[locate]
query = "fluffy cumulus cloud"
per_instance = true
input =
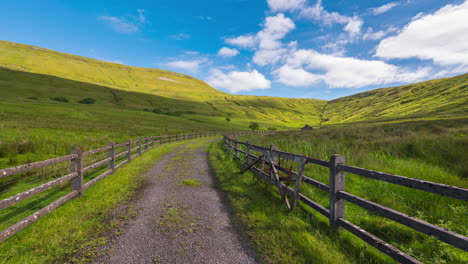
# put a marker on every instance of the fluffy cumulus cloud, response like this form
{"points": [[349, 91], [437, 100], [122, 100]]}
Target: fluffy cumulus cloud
{"points": [[441, 37], [245, 41], [295, 76], [384, 8], [342, 72], [236, 81], [227, 52], [267, 42], [284, 5]]}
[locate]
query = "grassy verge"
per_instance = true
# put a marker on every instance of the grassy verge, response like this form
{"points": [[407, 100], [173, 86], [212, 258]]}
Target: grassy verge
{"points": [[429, 150], [78, 226], [280, 236]]}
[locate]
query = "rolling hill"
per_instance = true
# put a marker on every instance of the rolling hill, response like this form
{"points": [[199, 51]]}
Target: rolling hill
{"points": [[132, 101], [441, 98]]}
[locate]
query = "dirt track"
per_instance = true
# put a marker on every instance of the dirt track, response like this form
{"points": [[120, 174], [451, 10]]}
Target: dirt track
{"points": [[180, 221]]}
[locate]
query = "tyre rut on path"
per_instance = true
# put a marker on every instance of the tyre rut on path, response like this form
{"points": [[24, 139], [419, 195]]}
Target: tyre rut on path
{"points": [[183, 218]]}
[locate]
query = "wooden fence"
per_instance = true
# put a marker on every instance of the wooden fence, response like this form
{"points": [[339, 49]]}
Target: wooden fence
{"points": [[338, 195], [77, 170]]}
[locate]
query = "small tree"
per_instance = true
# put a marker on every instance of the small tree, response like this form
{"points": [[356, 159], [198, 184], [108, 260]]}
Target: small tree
{"points": [[254, 126], [228, 119]]}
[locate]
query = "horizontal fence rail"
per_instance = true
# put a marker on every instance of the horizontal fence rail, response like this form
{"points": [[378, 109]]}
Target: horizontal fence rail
{"points": [[265, 166], [76, 176]]}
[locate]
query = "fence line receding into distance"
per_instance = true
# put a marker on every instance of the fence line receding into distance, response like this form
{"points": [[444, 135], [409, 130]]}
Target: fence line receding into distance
{"points": [[268, 157], [80, 164]]}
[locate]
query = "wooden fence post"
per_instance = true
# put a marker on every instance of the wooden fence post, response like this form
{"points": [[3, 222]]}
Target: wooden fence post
{"points": [[236, 145], [337, 183], [111, 155], [160, 140], [152, 141], [176, 138], [129, 150], [77, 166], [297, 188], [169, 138], [274, 159], [146, 143], [139, 146]]}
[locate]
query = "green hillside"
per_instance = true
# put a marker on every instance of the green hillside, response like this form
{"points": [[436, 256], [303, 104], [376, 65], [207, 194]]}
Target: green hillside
{"points": [[132, 102], [441, 98]]}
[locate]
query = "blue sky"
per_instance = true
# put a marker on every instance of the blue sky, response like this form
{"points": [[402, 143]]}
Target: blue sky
{"points": [[291, 48]]}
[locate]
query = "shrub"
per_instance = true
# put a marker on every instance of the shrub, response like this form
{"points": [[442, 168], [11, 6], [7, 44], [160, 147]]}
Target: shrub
{"points": [[272, 128], [60, 99], [228, 119], [254, 126], [32, 98], [87, 101]]}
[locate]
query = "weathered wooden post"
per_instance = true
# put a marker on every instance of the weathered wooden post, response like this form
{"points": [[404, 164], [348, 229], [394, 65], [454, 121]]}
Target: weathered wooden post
{"points": [[337, 183], [176, 137], [111, 155], [183, 136], [297, 188], [236, 146], [146, 143], [152, 141], [139, 146], [129, 150], [77, 166], [160, 140], [169, 138], [274, 158]]}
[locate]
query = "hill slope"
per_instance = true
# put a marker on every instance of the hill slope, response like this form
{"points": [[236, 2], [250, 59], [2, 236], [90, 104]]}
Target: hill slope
{"points": [[441, 98], [177, 94]]}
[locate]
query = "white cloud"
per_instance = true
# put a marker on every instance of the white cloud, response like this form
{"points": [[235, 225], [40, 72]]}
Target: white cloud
{"points": [[267, 42], [318, 13], [376, 35], [227, 52], [205, 18], [141, 16], [120, 24], [245, 41], [275, 28], [284, 5], [385, 8], [188, 65], [344, 72], [291, 76], [264, 57], [441, 37], [180, 36], [128, 24], [354, 26], [236, 81]]}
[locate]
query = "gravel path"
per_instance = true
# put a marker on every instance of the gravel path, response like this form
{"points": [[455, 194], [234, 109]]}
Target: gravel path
{"points": [[183, 217]]}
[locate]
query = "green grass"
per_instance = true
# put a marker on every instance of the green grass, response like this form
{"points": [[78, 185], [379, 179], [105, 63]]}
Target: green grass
{"points": [[428, 150], [80, 224], [191, 182], [280, 236]]}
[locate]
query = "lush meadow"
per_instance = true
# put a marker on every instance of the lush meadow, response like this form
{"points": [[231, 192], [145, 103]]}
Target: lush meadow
{"points": [[429, 150]]}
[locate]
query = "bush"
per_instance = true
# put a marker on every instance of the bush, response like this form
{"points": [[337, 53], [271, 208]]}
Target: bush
{"points": [[87, 101], [254, 126], [272, 128], [60, 99], [32, 98], [228, 119]]}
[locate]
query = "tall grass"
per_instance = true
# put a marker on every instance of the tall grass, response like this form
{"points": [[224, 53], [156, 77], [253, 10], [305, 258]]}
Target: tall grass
{"points": [[428, 150]]}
